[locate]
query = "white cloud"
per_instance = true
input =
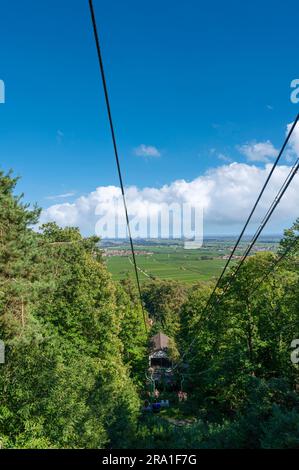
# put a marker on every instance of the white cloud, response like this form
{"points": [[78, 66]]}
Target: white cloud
{"points": [[147, 151], [60, 196], [294, 140], [258, 151], [227, 194], [224, 158]]}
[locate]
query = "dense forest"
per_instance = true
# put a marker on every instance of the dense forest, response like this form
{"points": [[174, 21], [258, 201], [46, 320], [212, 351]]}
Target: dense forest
{"points": [[77, 350]]}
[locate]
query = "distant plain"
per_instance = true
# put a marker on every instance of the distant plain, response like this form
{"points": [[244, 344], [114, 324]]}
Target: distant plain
{"points": [[170, 261]]}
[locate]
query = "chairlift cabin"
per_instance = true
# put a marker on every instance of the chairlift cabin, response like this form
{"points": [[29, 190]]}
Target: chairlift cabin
{"points": [[158, 356]]}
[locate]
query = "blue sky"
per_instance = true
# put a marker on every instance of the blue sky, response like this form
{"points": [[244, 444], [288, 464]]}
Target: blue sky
{"points": [[196, 80]]}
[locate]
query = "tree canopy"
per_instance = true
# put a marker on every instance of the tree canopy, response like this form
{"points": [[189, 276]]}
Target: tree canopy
{"points": [[76, 346]]}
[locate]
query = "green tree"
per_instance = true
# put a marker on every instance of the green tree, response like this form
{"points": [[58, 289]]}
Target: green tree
{"points": [[64, 383], [163, 301]]}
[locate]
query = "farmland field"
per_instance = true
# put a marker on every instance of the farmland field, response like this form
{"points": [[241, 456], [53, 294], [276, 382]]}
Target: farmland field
{"points": [[173, 262]]}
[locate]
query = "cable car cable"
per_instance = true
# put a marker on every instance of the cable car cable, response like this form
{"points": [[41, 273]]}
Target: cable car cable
{"points": [[255, 205], [266, 275], [104, 82], [266, 218]]}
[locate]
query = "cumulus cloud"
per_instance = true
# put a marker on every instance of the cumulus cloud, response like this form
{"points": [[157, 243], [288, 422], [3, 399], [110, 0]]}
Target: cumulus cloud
{"points": [[147, 151], [294, 140], [226, 193], [258, 151]]}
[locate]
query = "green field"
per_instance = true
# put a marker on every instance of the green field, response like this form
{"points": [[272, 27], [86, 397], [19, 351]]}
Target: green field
{"points": [[173, 262]]}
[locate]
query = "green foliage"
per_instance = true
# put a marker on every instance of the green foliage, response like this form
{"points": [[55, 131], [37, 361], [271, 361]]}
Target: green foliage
{"points": [[240, 347], [67, 380], [76, 346], [163, 300], [268, 418], [133, 333], [282, 430]]}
